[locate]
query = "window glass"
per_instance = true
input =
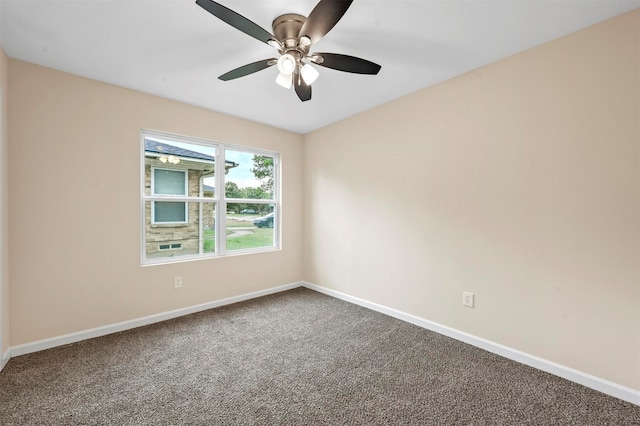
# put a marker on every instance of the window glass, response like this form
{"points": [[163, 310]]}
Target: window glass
{"points": [[169, 182], [252, 227], [169, 211], [191, 238], [251, 178]]}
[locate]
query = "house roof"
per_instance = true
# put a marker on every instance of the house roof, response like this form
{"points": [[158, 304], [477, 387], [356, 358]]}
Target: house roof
{"points": [[161, 148]]}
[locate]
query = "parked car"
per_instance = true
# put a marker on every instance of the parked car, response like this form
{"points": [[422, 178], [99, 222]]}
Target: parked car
{"points": [[264, 222], [248, 211]]}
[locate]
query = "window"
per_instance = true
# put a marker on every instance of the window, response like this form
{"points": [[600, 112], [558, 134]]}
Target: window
{"points": [[186, 214], [169, 182]]}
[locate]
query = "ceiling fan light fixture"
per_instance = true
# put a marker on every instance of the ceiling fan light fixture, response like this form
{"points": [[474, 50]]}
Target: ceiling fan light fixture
{"points": [[287, 64], [309, 74], [285, 80], [304, 42], [293, 36], [275, 44]]}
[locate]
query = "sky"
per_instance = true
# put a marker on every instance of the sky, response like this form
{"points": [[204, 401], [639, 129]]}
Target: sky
{"points": [[241, 175]]}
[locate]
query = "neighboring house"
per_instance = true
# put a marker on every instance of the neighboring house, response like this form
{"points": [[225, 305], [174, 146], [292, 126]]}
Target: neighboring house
{"points": [[177, 225]]}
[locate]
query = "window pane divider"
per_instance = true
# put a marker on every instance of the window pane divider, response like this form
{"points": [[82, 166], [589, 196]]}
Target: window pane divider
{"points": [[181, 198], [249, 201], [221, 211]]}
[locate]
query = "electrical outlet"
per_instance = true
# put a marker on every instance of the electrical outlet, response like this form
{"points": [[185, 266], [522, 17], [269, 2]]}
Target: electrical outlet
{"points": [[177, 282], [467, 299]]}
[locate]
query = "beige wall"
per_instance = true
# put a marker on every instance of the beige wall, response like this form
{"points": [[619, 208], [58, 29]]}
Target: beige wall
{"points": [[75, 180], [4, 204], [518, 182]]}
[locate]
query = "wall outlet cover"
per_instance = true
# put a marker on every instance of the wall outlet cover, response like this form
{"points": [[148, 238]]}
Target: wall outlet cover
{"points": [[467, 299]]}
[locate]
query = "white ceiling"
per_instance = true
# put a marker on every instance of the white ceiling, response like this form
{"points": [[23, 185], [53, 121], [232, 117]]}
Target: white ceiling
{"points": [[175, 49]]}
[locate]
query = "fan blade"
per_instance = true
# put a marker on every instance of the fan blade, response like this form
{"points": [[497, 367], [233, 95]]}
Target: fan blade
{"points": [[302, 89], [345, 63], [323, 17], [248, 69], [236, 20]]}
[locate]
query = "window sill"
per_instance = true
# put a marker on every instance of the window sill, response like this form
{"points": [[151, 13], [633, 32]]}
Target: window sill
{"points": [[169, 225], [193, 258]]}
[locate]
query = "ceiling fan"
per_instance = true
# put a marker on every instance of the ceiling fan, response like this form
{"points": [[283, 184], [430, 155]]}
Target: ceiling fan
{"points": [[293, 36]]}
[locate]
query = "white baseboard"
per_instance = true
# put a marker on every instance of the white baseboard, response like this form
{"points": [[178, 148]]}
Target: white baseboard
{"points": [[41, 345], [596, 383], [5, 358]]}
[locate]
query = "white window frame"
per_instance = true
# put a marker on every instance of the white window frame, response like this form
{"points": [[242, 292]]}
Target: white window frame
{"points": [[173, 197], [219, 200]]}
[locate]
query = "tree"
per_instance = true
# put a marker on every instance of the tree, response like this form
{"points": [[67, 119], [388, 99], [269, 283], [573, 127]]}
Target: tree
{"points": [[263, 170], [231, 190]]}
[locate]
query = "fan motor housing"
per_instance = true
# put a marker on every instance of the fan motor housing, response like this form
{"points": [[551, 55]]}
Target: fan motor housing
{"points": [[287, 27]]}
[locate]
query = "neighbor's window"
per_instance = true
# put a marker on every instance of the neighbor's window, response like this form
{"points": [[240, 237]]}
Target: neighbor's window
{"points": [[169, 182], [184, 216]]}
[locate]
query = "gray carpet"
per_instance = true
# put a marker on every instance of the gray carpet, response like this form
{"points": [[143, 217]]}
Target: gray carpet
{"points": [[293, 358]]}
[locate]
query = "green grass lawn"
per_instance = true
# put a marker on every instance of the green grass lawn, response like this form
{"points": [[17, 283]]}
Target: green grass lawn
{"points": [[259, 237], [233, 222], [209, 241]]}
